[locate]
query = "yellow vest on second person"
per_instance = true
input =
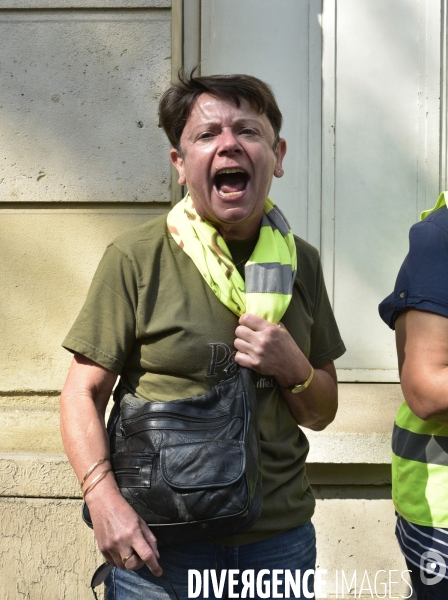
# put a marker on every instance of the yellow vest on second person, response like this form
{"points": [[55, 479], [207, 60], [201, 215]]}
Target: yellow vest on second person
{"points": [[420, 460]]}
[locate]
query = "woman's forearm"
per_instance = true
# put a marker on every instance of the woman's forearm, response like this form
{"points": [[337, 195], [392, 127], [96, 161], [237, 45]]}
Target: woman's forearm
{"points": [[119, 531], [82, 411]]}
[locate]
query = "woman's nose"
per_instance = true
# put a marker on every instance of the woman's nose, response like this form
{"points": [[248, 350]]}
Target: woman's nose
{"points": [[229, 141]]}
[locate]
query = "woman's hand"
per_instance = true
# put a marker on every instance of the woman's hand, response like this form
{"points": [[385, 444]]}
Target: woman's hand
{"points": [[119, 531], [269, 349]]}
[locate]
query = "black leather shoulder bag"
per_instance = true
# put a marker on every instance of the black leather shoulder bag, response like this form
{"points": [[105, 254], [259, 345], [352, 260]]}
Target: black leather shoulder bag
{"points": [[190, 468]]}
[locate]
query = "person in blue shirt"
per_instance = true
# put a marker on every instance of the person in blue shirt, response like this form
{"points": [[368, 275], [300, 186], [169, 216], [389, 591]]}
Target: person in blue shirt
{"points": [[418, 311]]}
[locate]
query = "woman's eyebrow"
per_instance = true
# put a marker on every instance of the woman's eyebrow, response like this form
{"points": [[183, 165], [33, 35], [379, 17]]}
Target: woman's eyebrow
{"points": [[238, 122], [247, 121]]}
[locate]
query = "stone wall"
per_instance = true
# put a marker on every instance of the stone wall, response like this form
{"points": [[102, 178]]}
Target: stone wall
{"points": [[82, 160]]}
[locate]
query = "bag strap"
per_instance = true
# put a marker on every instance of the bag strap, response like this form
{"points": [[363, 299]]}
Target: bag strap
{"points": [[115, 412]]}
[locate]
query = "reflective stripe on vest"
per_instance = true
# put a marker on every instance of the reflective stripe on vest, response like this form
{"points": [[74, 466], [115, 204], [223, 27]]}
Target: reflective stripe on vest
{"points": [[420, 469], [420, 447]]}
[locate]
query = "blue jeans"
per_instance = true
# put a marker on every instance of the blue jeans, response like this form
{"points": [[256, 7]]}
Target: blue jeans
{"points": [[206, 568]]}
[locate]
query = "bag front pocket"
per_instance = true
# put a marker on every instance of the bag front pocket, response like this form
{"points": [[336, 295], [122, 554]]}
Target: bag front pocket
{"points": [[187, 482], [203, 464]]}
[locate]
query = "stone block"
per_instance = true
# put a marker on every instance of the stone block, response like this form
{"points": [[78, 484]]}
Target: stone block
{"points": [[78, 113], [46, 551], [98, 4], [47, 260], [28, 429]]}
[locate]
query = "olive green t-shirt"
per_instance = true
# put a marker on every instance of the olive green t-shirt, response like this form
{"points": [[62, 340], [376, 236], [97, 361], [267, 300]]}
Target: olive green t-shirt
{"points": [[151, 317]]}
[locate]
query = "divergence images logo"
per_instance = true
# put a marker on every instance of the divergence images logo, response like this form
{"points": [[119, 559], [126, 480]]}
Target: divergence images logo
{"points": [[432, 564]]}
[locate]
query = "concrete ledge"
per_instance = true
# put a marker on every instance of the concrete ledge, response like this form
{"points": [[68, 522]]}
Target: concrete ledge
{"points": [[366, 408], [362, 430], [37, 475], [50, 476], [349, 448], [360, 434]]}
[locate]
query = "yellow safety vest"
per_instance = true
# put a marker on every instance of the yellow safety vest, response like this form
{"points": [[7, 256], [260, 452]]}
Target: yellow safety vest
{"points": [[420, 460]]}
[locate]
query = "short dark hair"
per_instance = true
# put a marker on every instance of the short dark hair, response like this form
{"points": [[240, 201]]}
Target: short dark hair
{"points": [[177, 102]]}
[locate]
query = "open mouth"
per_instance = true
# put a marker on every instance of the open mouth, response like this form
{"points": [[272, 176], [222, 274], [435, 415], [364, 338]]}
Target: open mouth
{"points": [[231, 182]]}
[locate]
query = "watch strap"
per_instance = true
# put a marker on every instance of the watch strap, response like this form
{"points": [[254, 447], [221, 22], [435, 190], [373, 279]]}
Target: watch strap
{"points": [[300, 387]]}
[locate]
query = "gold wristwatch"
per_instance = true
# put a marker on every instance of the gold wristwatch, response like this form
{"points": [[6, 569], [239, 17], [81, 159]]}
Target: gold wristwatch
{"points": [[300, 387]]}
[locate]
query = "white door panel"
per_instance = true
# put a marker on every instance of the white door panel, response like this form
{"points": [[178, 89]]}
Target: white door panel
{"points": [[383, 177]]}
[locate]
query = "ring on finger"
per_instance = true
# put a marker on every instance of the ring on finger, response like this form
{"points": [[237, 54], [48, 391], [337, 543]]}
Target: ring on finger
{"points": [[125, 559]]}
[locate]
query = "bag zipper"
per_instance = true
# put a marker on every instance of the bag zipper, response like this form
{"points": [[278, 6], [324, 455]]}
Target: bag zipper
{"points": [[171, 415]]}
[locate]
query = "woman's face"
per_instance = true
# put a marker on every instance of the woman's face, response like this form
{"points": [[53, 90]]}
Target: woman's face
{"points": [[228, 162]]}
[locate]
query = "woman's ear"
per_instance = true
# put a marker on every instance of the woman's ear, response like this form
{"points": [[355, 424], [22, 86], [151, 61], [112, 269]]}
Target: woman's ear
{"points": [[178, 163], [280, 152]]}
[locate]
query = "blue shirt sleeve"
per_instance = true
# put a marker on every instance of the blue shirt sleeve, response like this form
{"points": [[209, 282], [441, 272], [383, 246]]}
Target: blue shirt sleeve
{"points": [[422, 281]]}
